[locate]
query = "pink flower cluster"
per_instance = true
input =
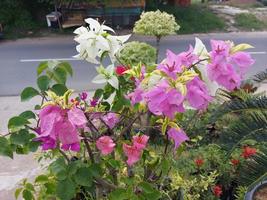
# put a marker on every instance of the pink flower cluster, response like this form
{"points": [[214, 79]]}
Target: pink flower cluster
{"points": [[133, 152], [227, 68], [60, 125], [174, 63]]}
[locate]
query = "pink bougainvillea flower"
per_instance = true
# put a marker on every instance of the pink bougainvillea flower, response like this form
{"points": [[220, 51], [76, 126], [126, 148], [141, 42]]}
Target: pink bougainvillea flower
{"points": [[188, 58], [120, 70], [67, 132], [111, 119], [136, 96], [178, 135], [197, 94], [140, 141], [225, 68], [172, 65], [83, 96], [77, 117], [47, 142], [105, 144], [132, 152], [163, 100], [73, 147], [61, 124], [243, 60]]}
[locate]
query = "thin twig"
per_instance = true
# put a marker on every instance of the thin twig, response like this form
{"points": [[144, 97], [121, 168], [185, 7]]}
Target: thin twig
{"points": [[64, 155], [105, 183], [87, 146], [130, 124]]}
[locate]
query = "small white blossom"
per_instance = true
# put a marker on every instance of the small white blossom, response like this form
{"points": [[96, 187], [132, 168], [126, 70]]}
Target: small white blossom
{"points": [[106, 75], [95, 40]]}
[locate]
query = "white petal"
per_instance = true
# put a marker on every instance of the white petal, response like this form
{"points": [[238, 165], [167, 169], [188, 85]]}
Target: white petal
{"points": [[107, 28], [114, 82], [99, 79], [110, 69], [80, 30], [93, 24], [200, 49]]}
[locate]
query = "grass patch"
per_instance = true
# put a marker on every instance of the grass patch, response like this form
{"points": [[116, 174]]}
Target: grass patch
{"points": [[249, 22], [195, 19]]}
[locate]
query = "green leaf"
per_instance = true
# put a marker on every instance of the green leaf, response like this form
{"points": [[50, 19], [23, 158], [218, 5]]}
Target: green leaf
{"points": [[28, 93], [17, 123], [165, 166], [5, 148], [149, 191], [21, 138], [67, 67], [33, 146], [42, 66], [59, 168], [17, 192], [43, 82], [95, 170], [118, 194], [66, 189], [98, 93], [41, 179], [27, 115], [60, 76], [59, 89], [83, 177], [29, 187], [27, 195]]}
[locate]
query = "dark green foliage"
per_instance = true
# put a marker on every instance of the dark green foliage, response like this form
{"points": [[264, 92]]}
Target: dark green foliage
{"points": [[261, 77], [255, 170]]}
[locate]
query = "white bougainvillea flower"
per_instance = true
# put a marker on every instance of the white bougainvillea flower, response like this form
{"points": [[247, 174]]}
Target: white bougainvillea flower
{"points": [[106, 75], [94, 40], [201, 50]]}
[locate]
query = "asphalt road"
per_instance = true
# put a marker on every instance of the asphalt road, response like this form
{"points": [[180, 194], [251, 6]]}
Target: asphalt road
{"points": [[19, 59]]}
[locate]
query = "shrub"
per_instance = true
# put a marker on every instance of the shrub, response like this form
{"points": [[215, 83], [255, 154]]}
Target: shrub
{"points": [[135, 52]]}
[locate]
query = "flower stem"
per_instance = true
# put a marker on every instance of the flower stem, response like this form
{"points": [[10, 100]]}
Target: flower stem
{"points": [[87, 146]]}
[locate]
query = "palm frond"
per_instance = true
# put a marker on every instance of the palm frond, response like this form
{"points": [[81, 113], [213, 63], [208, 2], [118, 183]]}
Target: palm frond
{"points": [[261, 77], [255, 170], [255, 105], [248, 126]]}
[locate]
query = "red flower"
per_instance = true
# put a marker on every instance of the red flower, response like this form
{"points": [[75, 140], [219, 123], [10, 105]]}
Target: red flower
{"points": [[217, 190], [248, 151], [120, 70], [199, 162], [235, 162]]}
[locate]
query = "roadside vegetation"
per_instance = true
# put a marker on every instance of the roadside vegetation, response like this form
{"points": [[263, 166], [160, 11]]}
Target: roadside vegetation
{"points": [[249, 22], [196, 18]]}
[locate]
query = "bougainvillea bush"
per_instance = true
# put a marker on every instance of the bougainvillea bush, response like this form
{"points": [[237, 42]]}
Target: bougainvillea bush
{"points": [[124, 141]]}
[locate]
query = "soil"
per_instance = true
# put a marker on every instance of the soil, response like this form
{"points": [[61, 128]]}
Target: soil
{"points": [[261, 194]]}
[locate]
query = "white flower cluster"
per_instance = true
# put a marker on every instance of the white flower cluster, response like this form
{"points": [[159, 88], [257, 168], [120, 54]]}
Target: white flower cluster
{"points": [[95, 40], [156, 23]]}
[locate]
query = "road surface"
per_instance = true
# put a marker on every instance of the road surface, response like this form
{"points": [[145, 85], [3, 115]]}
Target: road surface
{"points": [[19, 59]]}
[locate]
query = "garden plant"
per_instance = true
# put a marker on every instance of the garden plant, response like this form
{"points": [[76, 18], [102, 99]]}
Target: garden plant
{"points": [[152, 131]]}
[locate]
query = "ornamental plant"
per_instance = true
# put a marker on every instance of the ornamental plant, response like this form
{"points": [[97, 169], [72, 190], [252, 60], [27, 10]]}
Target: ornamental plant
{"points": [[98, 146]]}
